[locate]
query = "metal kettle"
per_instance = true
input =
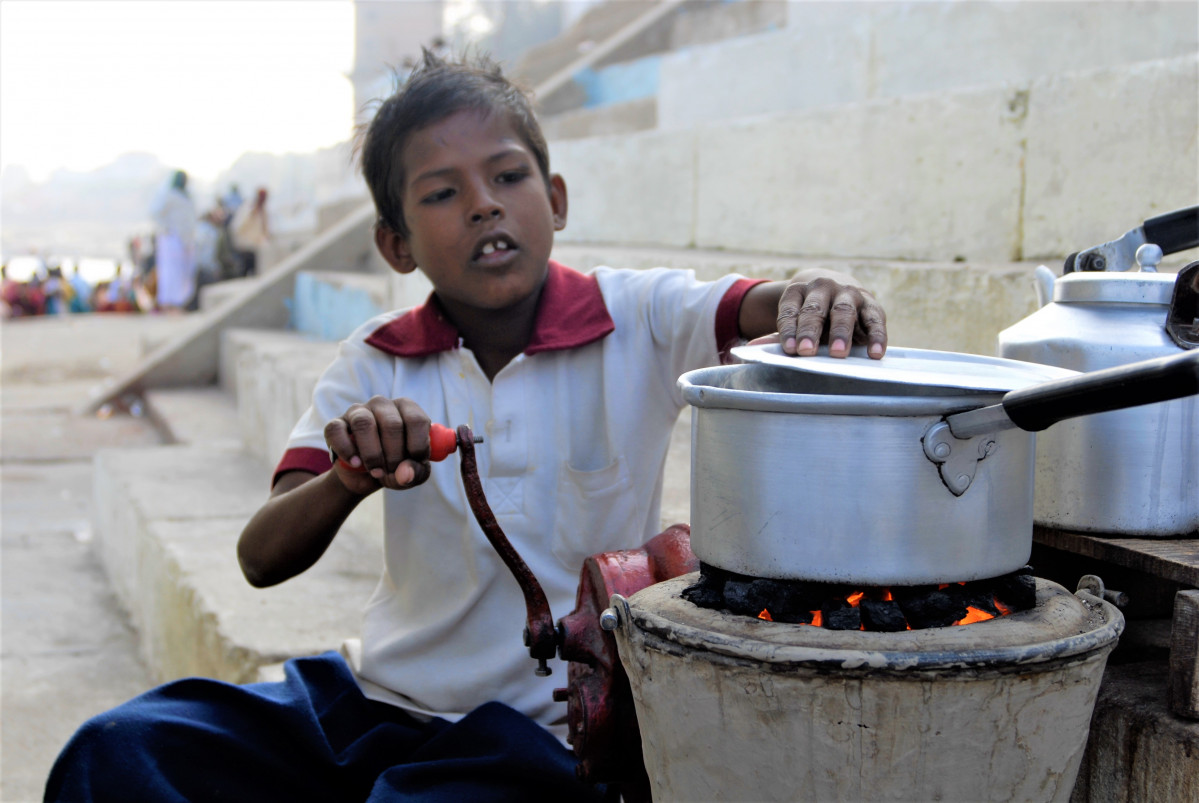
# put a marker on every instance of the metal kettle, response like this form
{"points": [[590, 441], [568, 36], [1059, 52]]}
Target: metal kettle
{"points": [[1129, 472]]}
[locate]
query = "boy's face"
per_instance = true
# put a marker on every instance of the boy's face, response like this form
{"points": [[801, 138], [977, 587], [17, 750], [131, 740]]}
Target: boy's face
{"points": [[480, 218]]}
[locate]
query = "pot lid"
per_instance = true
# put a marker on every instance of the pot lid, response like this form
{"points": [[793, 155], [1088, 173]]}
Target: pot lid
{"points": [[1134, 287], [945, 369]]}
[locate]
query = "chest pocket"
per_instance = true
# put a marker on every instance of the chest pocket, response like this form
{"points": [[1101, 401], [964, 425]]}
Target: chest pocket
{"points": [[596, 512], [597, 507]]}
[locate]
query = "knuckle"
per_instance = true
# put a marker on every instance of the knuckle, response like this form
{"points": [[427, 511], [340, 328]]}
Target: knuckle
{"points": [[361, 421], [391, 428]]}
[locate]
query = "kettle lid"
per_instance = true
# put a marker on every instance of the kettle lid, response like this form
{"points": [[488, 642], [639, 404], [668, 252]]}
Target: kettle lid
{"points": [[1140, 287]]}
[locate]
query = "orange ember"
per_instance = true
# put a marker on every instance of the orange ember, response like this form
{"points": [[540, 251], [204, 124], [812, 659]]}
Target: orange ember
{"points": [[974, 615]]}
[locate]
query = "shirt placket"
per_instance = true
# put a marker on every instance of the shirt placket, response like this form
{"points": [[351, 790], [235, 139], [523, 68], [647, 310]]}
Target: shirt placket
{"points": [[506, 432]]}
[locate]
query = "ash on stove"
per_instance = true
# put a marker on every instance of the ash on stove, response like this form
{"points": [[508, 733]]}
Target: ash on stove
{"points": [[846, 607]]}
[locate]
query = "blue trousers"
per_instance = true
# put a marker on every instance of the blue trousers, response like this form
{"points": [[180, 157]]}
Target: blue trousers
{"points": [[311, 737]]}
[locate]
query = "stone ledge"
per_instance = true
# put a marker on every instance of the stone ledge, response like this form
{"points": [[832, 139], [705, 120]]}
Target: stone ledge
{"points": [[166, 523], [950, 306], [1138, 751]]}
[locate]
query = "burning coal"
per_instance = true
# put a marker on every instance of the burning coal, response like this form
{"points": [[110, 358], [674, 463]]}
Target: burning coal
{"points": [[844, 607]]}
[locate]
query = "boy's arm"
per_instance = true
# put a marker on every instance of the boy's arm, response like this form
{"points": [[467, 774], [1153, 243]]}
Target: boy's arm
{"points": [[383, 443], [812, 304], [293, 529]]}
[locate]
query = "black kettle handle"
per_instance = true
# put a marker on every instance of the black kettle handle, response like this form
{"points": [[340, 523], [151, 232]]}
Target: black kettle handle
{"points": [[1174, 231]]}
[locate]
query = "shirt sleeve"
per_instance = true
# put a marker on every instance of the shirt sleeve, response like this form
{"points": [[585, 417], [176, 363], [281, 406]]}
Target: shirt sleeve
{"points": [[689, 324], [728, 315], [356, 374]]}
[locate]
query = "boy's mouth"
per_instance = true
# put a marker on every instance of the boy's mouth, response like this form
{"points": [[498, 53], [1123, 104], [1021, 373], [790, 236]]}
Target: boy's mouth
{"points": [[494, 248]]}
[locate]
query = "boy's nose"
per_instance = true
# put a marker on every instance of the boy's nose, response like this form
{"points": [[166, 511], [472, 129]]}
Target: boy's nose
{"points": [[484, 206], [491, 211]]}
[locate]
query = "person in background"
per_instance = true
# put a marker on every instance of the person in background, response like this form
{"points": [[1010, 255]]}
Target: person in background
{"points": [[174, 216], [10, 291], [118, 295], [250, 231], [208, 240], [81, 292], [33, 297], [55, 295], [231, 201]]}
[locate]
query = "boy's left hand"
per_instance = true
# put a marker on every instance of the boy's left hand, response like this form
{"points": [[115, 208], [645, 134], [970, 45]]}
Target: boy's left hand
{"points": [[824, 306]]}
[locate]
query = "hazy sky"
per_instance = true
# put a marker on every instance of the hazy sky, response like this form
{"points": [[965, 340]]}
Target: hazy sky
{"points": [[196, 83]]}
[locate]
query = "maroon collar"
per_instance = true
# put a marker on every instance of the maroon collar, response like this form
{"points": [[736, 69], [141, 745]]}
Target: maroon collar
{"points": [[570, 313]]}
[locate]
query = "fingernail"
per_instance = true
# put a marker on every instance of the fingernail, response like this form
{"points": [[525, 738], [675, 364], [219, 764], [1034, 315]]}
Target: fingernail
{"points": [[806, 345], [356, 461], [789, 346], [838, 345], [876, 349], [377, 473], [405, 474]]}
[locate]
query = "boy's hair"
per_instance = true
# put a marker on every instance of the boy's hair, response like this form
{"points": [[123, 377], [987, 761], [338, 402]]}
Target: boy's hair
{"points": [[435, 90]]}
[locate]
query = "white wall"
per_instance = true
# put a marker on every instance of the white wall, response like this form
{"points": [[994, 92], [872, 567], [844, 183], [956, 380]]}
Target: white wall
{"points": [[846, 52], [998, 173]]}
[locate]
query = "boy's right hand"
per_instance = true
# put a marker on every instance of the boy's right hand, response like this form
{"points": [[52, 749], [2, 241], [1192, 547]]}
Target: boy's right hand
{"points": [[386, 440]]}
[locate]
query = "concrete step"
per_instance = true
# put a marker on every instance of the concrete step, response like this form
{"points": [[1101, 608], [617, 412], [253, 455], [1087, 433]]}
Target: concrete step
{"points": [[1001, 172], [167, 520], [829, 54], [201, 416], [271, 374]]}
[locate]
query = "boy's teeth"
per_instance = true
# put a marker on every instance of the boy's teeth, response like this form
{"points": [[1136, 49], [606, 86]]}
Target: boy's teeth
{"points": [[503, 246], [489, 249]]}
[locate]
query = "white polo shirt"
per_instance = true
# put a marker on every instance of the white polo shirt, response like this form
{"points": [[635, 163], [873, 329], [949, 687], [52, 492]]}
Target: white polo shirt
{"points": [[576, 432]]}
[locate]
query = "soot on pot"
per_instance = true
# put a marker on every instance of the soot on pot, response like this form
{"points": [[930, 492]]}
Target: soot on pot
{"points": [[846, 607]]}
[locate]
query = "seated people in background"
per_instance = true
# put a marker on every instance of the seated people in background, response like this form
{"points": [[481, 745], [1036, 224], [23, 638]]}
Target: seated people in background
{"points": [[250, 231]]}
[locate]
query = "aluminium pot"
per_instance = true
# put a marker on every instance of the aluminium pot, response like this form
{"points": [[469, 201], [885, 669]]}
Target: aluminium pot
{"points": [[844, 478]]}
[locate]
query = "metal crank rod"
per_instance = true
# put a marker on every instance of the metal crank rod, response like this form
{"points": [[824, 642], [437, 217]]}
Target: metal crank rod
{"points": [[541, 637]]}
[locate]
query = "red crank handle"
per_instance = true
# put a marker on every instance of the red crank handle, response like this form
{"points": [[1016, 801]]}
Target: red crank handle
{"points": [[443, 442]]}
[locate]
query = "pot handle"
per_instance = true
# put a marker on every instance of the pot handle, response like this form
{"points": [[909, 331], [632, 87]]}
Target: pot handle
{"points": [[1040, 406]]}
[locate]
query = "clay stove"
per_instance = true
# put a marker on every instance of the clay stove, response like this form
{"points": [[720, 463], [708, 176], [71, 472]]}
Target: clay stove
{"points": [[735, 707]]}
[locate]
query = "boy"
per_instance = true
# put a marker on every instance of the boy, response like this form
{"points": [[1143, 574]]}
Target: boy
{"points": [[570, 378]]}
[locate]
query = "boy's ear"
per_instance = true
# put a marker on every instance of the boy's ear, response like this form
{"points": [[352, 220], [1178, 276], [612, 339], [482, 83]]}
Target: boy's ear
{"points": [[394, 249], [558, 201]]}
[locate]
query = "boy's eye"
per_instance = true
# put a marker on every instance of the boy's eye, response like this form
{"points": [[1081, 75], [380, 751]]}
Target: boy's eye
{"points": [[435, 197], [513, 176]]}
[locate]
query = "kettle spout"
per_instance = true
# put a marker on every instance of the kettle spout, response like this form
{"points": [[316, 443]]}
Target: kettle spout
{"points": [[1043, 279]]}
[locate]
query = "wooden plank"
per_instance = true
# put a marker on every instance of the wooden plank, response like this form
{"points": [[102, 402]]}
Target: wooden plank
{"points": [[1175, 559], [1183, 682]]}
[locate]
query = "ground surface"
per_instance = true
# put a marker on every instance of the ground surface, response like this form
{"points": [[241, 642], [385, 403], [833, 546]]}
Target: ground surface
{"points": [[66, 649]]}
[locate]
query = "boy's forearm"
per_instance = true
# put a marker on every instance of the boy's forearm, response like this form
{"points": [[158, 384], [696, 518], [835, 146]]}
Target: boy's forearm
{"points": [[293, 529], [760, 309]]}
